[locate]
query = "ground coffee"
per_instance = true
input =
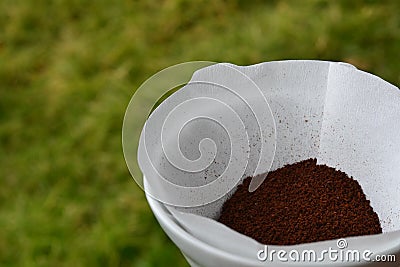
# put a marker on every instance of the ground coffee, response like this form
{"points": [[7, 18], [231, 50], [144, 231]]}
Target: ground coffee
{"points": [[300, 203]]}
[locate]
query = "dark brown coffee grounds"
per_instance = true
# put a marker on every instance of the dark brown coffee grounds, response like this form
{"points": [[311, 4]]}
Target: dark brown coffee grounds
{"points": [[300, 203]]}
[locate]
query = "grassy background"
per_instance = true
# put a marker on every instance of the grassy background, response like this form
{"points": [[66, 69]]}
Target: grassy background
{"points": [[67, 72]]}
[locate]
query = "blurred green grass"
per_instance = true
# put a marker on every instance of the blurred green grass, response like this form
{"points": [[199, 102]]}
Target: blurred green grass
{"points": [[67, 72]]}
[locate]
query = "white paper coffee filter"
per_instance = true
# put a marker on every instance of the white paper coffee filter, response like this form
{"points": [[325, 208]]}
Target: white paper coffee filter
{"points": [[346, 118], [218, 126]]}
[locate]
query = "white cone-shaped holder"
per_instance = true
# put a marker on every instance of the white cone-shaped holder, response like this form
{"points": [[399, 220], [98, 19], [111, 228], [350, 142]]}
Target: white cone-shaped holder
{"points": [[197, 152]]}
